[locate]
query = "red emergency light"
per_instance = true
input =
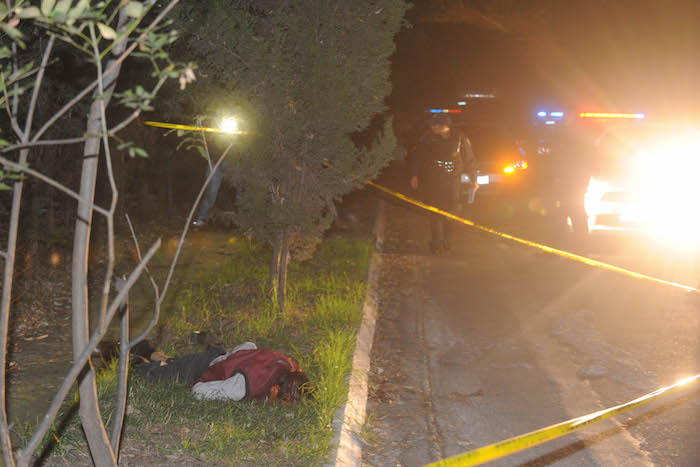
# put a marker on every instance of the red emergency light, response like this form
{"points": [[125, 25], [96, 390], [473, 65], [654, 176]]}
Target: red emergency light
{"points": [[445, 111], [610, 115]]}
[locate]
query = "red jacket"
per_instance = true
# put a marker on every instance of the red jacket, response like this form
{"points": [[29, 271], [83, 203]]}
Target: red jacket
{"points": [[262, 369]]}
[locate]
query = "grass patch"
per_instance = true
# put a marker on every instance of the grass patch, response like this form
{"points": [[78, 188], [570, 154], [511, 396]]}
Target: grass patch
{"points": [[317, 328]]}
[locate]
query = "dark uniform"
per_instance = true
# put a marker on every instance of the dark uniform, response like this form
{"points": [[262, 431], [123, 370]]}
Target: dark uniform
{"points": [[438, 162]]}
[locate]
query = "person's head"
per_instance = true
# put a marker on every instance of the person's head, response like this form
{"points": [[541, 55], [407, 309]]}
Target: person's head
{"points": [[293, 386], [440, 124]]}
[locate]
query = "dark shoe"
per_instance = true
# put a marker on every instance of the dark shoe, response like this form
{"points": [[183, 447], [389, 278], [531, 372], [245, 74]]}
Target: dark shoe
{"points": [[199, 223], [208, 340]]}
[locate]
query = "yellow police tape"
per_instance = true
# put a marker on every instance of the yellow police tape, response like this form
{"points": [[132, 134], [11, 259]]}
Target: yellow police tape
{"points": [[565, 254], [548, 249], [519, 443], [177, 126]]}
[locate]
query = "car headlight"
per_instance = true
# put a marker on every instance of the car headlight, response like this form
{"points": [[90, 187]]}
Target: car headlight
{"points": [[666, 179], [594, 195]]}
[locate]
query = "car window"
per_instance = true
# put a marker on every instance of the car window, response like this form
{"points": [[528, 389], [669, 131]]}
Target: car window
{"points": [[489, 143]]}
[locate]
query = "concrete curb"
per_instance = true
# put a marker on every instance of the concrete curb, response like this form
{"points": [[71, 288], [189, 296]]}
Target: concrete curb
{"points": [[349, 419]]}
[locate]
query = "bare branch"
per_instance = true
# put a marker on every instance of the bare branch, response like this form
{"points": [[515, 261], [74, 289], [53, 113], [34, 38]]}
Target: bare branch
{"points": [[120, 407], [93, 425], [45, 142], [159, 301], [8, 276], [37, 88], [138, 255], [113, 186], [5, 441], [13, 120], [64, 109], [50, 181], [82, 359], [190, 216], [206, 149], [109, 70], [15, 63]]}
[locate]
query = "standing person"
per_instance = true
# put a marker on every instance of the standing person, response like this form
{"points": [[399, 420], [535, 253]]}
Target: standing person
{"points": [[440, 157], [569, 172], [210, 195]]}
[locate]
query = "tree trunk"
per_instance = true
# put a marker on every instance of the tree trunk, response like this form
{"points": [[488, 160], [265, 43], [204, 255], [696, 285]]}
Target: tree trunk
{"points": [[95, 433], [275, 266], [120, 174], [120, 408], [282, 280], [98, 442], [8, 277]]}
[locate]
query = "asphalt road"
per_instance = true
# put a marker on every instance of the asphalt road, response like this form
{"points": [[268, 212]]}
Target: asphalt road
{"points": [[496, 339]]}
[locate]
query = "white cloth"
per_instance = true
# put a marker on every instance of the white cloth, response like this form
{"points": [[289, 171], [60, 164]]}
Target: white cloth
{"points": [[243, 346], [232, 388]]}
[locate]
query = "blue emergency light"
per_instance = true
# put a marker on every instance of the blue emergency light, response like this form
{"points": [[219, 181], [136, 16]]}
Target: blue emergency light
{"points": [[557, 114]]}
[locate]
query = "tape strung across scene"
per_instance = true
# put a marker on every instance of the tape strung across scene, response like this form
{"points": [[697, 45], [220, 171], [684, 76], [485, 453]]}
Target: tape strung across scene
{"points": [[548, 249], [528, 440], [177, 126]]}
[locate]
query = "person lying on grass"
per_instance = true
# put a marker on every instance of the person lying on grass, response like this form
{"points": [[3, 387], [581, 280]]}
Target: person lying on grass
{"points": [[245, 373], [143, 352]]}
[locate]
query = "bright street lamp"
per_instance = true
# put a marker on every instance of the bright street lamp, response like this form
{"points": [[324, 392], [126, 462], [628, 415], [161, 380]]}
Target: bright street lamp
{"points": [[229, 125]]}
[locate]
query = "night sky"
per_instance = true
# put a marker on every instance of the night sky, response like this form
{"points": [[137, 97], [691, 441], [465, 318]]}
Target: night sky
{"points": [[621, 55]]}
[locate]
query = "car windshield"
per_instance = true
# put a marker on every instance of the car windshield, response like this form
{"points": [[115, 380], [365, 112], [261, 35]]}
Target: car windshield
{"points": [[617, 147], [489, 144]]}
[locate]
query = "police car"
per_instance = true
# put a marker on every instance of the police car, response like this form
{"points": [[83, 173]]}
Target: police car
{"points": [[647, 182], [501, 165]]}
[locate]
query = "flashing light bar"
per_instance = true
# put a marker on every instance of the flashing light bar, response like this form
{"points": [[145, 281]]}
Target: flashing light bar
{"points": [[480, 96], [558, 114], [520, 165], [445, 111], [610, 115]]}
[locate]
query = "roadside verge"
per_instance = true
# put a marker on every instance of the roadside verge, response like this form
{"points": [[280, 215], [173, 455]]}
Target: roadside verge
{"points": [[350, 418]]}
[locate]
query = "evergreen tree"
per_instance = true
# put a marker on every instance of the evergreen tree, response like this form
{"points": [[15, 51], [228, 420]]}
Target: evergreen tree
{"points": [[308, 74]]}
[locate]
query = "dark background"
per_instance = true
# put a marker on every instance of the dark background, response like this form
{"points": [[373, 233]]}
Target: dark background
{"points": [[620, 56]]}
